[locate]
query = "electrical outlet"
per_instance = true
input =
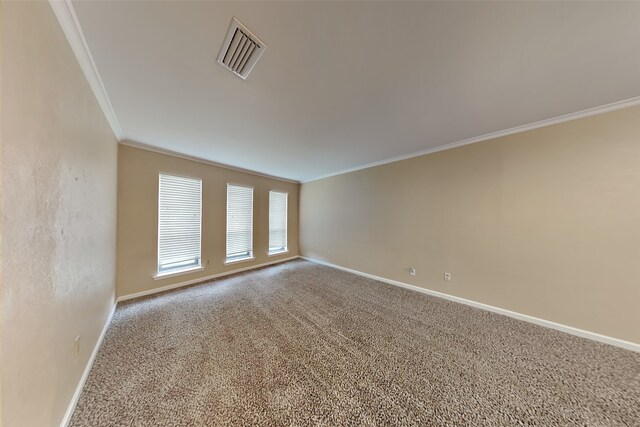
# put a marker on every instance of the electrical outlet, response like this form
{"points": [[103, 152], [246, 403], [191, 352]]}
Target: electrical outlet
{"points": [[76, 346], [412, 271], [447, 277]]}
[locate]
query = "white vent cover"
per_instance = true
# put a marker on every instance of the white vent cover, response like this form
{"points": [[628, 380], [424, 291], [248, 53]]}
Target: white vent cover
{"points": [[241, 50]]}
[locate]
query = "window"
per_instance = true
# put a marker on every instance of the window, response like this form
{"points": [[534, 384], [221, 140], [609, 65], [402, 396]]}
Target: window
{"points": [[277, 222], [179, 223], [239, 223]]}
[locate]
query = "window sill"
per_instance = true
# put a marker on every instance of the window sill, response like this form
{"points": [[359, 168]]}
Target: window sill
{"points": [[236, 260], [274, 253], [172, 273]]}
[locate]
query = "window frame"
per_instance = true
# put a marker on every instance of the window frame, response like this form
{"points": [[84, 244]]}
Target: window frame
{"points": [[285, 249], [251, 254], [168, 272]]}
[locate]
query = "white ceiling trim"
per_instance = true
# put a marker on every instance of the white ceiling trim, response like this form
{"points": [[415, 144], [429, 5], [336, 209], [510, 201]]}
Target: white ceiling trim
{"points": [[63, 9], [518, 129], [166, 152]]}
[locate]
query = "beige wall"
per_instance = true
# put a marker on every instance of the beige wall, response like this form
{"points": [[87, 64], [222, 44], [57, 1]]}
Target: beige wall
{"points": [[545, 223], [138, 217], [1, 209], [59, 170]]}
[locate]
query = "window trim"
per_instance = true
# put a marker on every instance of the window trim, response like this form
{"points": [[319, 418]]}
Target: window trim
{"points": [[284, 250], [187, 269], [276, 253], [172, 273], [237, 260], [251, 255]]}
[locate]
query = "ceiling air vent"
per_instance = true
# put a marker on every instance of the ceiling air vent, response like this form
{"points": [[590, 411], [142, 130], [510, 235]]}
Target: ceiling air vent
{"points": [[241, 50]]}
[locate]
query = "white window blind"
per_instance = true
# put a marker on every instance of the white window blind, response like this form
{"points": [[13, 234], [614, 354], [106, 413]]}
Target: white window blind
{"points": [[179, 223], [239, 222], [277, 222]]}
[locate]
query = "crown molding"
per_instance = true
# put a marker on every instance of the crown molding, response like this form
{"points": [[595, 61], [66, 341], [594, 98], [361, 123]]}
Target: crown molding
{"points": [[64, 11], [68, 20], [518, 129], [171, 153]]}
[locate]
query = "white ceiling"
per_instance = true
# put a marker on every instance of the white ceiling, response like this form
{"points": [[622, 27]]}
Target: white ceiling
{"points": [[343, 84]]}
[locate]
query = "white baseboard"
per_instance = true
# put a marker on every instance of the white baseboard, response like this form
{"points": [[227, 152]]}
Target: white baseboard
{"points": [[87, 369], [541, 322], [200, 279]]}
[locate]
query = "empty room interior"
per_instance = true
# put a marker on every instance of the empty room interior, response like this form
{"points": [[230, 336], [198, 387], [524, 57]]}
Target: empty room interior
{"points": [[319, 213]]}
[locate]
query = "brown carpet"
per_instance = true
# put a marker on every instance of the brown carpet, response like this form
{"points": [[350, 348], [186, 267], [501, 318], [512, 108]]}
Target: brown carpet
{"points": [[300, 344]]}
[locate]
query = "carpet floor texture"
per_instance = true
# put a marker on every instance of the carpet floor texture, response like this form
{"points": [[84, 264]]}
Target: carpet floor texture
{"points": [[299, 344]]}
